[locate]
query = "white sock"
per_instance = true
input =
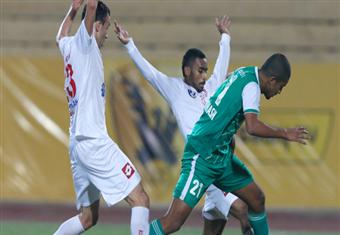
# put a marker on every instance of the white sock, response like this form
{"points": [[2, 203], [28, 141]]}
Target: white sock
{"points": [[71, 226], [140, 221]]}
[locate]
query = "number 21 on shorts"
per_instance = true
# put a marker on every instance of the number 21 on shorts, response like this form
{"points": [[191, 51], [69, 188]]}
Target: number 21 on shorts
{"points": [[196, 188]]}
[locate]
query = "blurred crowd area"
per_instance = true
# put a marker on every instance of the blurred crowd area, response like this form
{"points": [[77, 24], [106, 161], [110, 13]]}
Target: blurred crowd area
{"points": [[34, 117], [304, 30]]}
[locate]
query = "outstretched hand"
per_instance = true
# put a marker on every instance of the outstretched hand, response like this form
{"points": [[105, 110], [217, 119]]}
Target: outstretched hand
{"points": [[223, 24], [76, 4], [297, 134], [121, 33]]}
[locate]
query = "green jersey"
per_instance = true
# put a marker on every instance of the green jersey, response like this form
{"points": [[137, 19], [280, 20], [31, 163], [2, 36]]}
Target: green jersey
{"points": [[224, 113]]}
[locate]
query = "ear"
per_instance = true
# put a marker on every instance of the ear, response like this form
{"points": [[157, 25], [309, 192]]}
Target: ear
{"points": [[187, 71], [272, 78], [97, 26]]}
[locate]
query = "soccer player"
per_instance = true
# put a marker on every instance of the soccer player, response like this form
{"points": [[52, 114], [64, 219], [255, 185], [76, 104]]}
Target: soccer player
{"points": [[99, 167], [187, 98], [208, 157]]}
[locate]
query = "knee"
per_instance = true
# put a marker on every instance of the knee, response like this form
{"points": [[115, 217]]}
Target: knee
{"points": [[143, 199], [260, 203], [139, 198], [239, 209], [242, 210], [88, 220], [262, 199]]}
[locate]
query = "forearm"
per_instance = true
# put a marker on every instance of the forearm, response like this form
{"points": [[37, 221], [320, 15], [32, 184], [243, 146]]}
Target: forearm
{"points": [[148, 71], [222, 62], [261, 129], [90, 16], [65, 26]]}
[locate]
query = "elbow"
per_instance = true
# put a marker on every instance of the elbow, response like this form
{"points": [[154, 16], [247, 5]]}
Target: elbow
{"points": [[251, 130], [58, 37]]}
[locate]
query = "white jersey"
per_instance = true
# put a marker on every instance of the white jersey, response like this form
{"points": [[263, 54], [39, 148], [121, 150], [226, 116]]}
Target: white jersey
{"points": [[84, 84], [185, 102]]}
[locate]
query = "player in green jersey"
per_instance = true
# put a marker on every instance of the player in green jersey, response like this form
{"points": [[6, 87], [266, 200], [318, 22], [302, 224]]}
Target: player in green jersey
{"points": [[208, 158]]}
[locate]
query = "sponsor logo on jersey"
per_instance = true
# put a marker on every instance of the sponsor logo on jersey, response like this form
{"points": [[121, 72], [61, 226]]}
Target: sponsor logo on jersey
{"points": [[103, 90], [128, 170], [203, 94], [192, 93]]}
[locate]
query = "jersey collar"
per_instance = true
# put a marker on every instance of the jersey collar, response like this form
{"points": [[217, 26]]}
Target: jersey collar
{"points": [[257, 75]]}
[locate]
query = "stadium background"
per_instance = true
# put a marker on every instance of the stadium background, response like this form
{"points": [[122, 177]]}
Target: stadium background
{"points": [[34, 118]]}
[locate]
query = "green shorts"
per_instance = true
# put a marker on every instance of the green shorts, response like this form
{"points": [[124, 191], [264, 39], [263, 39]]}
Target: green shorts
{"points": [[197, 174]]}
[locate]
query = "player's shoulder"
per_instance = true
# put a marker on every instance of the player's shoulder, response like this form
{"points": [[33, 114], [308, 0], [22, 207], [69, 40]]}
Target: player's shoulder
{"points": [[249, 72], [65, 40], [245, 70], [176, 81]]}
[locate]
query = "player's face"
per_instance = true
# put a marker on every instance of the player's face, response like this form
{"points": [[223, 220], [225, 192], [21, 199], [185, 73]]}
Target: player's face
{"points": [[198, 74], [274, 87], [102, 29]]}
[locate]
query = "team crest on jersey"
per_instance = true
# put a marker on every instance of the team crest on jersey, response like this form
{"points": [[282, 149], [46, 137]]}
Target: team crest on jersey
{"points": [[103, 90], [128, 170], [192, 93]]}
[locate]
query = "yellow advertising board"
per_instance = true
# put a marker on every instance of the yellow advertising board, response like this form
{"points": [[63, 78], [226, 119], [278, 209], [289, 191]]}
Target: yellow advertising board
{"points": [[34, 134]]}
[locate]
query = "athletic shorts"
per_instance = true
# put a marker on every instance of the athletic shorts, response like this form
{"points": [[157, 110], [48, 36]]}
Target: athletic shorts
{"points": [[217, 203], [197, 174], [99, 167]]}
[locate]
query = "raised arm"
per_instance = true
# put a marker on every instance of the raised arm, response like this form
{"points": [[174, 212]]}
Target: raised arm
{"points": [[222, 63], [90, 16], [65, 26], [161, 82], [257, 128]]}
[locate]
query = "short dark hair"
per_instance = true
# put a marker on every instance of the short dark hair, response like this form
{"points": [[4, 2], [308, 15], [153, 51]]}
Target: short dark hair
{"points": [[277, 66], [190, 56], [101, 13]]}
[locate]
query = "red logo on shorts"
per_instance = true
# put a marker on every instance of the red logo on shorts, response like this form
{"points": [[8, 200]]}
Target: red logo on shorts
{"points": [[128, 170]]}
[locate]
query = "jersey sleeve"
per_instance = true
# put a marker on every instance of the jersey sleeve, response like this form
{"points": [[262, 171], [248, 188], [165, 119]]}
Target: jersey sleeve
{"points": [[222, 63], [64, 45], [251, 98], [161, 82]]}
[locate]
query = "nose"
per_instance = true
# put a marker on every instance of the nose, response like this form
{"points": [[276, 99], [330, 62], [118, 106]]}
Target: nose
{"points": [[106, 36], [205, 76]]}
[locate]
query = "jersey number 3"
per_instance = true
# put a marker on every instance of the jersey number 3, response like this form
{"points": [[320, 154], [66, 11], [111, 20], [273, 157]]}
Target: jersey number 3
{"points": [[70, 85]]}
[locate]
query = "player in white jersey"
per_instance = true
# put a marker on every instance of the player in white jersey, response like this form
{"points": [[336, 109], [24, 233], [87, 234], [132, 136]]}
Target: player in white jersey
{"points": [[99, 167], [187, 98]]}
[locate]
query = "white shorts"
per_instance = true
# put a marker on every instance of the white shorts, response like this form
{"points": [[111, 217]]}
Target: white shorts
{"points": [[217, 203], [100, 167]]}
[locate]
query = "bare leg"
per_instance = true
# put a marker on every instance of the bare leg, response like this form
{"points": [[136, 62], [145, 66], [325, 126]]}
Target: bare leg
{"points": [[255, 199], [213, 227], [87, 218], [240, 211], [89, 215], [253, 196], [139, 202], [175, 217], [138, 197]]}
